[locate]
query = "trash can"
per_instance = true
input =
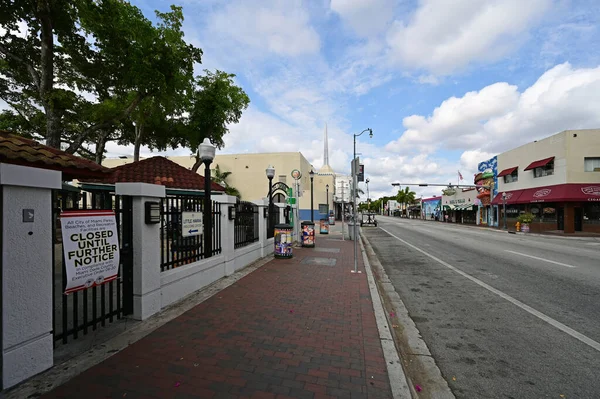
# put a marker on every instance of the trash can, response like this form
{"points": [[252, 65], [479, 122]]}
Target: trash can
{"points": [[308, 234], [324, 226], [283, 241], [351, 230], [332, 220]]}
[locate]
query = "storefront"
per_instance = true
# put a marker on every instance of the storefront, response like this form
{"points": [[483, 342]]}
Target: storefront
{"points": [[564, 207], [460, 206]]}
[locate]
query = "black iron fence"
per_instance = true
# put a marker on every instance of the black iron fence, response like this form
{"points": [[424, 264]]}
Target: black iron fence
{"points": [[85, 310], [273, 220], [180, 247], [246, 224]]}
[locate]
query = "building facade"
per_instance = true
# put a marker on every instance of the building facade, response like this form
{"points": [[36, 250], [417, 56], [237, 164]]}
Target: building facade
{"points": [[557, 179], [460, 205]]}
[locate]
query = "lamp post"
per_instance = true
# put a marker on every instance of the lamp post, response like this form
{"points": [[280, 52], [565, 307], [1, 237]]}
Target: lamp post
{"points": [[504, 208], [327, 198], [368, 196], [270, 171], [207, 154], [312, 176], [354, 191]]}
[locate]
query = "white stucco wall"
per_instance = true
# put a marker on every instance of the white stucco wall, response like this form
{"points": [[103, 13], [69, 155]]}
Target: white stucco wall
{"points": [[27, 342], [569, 148]]}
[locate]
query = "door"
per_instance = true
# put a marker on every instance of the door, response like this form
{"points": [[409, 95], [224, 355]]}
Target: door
{"points": [[578, 219], [560, 218]]}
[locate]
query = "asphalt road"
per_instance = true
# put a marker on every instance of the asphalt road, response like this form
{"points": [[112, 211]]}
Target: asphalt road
{"points": [[505, 316]]}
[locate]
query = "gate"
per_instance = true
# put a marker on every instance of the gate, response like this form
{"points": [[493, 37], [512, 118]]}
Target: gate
{"points": [[85, 310]]}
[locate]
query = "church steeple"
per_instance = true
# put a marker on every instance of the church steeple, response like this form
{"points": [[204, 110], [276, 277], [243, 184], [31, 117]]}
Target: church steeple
{"points": [[325, 148], [326, 169]]}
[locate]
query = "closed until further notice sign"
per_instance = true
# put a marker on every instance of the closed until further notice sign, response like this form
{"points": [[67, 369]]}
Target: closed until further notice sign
{"points": [[91, 248]]}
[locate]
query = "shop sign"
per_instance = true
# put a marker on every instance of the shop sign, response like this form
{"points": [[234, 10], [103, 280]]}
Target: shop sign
{"points": [[542, 193], [458, 201]]}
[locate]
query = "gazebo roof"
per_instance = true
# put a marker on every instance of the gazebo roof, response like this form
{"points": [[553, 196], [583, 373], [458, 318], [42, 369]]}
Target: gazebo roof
{"points": [[156, 170], [26, 152]]}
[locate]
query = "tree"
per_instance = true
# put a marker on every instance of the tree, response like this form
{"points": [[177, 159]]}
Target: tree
{"points": [[106, 48], [221, 178], [216, 103], [405, 196]]}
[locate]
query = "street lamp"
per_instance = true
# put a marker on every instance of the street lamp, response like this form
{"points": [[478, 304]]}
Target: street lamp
{"points": [[354, 191], [270, 171], [504, 207], [368, 200], [207, 154], [327, 198], [312, 176]]}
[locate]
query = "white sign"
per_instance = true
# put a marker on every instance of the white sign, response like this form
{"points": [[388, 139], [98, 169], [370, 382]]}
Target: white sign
{"points": [[91, 248], [191, 224]]}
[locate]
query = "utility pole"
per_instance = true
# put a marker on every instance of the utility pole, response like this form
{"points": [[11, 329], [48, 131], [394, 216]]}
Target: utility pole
{"points": [[343, 209]]}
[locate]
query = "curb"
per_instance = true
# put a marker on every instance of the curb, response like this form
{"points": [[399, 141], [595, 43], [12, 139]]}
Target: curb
{"points": [[495, 230], [416, 350], [396, 374]]}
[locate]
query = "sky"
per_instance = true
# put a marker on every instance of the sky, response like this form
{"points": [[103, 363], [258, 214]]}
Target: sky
{"points": [[443, 84]]}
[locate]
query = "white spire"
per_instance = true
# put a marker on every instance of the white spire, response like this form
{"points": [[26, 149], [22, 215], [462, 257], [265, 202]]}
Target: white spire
{"points": [[325, 148]]}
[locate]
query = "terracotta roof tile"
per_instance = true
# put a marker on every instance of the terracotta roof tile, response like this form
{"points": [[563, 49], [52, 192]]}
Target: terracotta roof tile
{"points": [[22, 151], [157, 170]]}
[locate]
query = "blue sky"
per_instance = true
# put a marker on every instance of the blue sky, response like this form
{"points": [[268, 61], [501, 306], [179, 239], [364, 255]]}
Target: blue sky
{"points": [[443, 84]]}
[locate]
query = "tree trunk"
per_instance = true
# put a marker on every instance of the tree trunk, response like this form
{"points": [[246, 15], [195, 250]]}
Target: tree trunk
{"points": [[197, 164], [46, 82], [100, 146], [139, 134]]}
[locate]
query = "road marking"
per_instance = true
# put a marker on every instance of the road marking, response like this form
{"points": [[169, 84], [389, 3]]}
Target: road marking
{"points": [[568, 330], [542, 259]]}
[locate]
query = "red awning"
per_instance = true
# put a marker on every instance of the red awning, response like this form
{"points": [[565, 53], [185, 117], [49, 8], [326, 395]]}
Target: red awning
{"points": [[512, 197], [539, 164], [508, 171], [561, 193]]}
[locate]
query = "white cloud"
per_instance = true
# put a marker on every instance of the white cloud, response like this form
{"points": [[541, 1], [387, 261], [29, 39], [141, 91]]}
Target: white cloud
{"points": [[279, 26], [365, 17], [443, 38], [498, 117], [455, 118], [429, 79]]}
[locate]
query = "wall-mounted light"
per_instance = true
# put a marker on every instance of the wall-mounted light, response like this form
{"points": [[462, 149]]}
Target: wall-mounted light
{"points": [[231, 213], [152, 212]]}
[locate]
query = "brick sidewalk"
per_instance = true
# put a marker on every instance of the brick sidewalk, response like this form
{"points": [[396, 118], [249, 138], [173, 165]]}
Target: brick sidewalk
{"points": [[290, 329]]}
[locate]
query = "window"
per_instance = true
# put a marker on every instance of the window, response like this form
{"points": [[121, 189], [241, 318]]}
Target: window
{"points": [[282, 178], [591, 213], [547, 170], [592, 164], [513, 177]]}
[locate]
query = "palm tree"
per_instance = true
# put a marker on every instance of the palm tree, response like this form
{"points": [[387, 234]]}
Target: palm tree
{"points": [[221, 178], [405, 196]]}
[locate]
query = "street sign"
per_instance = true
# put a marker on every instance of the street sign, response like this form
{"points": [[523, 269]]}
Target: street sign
{"points": [[191, 224], [296, 174]]}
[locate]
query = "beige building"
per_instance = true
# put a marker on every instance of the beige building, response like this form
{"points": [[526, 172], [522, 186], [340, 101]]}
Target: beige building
{"points": [[248, 175], [557, 179]]}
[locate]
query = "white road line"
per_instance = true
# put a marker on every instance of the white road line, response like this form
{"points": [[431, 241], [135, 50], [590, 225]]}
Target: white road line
{"points": [[568, 330], [542, 259]]}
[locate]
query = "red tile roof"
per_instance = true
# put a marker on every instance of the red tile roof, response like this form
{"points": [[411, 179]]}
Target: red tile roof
{"points": [[21, 151], [157, 170]]}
